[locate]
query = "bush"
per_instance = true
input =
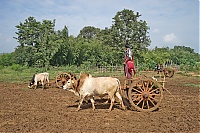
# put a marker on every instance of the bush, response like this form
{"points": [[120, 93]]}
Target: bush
{"points": [[17, 67], [1, 67]]}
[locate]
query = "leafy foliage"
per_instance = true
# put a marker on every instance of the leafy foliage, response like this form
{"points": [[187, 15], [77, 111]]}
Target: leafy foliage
{"points": [[41, 46], [38, 42], [88, 32], [127, 28]]}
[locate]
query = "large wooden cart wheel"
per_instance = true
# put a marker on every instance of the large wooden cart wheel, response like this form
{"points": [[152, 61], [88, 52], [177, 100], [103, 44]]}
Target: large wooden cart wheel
{"points": [[145, 94], [61, 79]]}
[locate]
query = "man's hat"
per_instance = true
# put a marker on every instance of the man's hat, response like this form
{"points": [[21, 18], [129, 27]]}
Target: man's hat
{"points": [[127, 45]]}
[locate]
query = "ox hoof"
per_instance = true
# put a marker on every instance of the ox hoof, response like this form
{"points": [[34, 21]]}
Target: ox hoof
{"points": [[124, 108], [109, 110], [78, 109]]}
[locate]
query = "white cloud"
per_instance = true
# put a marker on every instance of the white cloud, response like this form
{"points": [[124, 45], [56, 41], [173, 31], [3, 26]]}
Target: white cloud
{"points": [[170, 38]]}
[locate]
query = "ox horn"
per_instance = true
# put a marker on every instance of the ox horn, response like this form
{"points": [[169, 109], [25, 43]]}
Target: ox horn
{"points": [[80, 73]]}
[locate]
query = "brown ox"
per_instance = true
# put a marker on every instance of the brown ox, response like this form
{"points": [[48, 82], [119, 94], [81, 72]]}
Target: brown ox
{"points": [[88, 86]]}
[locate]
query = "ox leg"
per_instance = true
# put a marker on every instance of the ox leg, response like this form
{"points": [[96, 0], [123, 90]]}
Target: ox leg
{"points": [[111, 103], [120, 99], [43, 85], [35, 85], [92, 101], [80, 103], [48, 84]]}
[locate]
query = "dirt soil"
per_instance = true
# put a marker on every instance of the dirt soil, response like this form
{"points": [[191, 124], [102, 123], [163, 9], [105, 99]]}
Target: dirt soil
{"points": [[53, 110]]}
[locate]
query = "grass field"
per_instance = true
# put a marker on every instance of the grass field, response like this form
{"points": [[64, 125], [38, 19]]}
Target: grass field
{"points": [[23, 75], [19, 74]]}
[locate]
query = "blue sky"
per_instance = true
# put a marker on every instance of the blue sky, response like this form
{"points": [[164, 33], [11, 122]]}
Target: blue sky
{"points": [[172, 22]]}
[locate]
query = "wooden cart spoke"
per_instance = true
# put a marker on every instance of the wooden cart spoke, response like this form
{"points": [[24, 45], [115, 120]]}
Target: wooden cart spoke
{"points": [[147, 85], [143, 104], [136, 94], [136, 98], [140, 88], [150, 87], [137, 90], [58, 77], [154, 90], [156, 100], [143, 86], [151, 102], [154, 94], [139, 101], [148, 104]]}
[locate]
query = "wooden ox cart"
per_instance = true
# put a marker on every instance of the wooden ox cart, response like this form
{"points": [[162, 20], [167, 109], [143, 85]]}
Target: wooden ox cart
{"points": [[143, 93]]}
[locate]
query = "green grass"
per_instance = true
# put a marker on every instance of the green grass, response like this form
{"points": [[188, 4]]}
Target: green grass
{"points": [[192, 85], [24, 75], [189, 74]]}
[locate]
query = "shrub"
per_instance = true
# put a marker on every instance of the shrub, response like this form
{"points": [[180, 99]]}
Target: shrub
{"points": [[1, 67], [17, 67]]}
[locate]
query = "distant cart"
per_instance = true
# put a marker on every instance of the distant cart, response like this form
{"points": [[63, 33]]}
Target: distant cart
{"points": [[61, 79]]}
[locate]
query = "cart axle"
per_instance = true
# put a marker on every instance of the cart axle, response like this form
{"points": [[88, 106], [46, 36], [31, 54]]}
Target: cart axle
{"points": [[146, 95]]}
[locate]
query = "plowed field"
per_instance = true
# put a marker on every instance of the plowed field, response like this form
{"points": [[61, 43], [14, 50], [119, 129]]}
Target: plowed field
{"points": [[53, 110]]}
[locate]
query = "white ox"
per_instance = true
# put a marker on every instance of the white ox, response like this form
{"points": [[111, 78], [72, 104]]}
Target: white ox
{"points": [[40, 77], [88, 86]]}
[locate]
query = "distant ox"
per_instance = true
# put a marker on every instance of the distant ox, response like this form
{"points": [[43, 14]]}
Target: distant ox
{"points": [[40, 77], [88, 86]]}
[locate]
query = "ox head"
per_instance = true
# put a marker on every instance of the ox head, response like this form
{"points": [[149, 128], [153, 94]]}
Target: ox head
{"points": [[74, 84], [31, 83], [69, 84]]}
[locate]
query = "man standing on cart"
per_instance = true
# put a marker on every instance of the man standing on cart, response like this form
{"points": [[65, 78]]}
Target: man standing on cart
{"points": [[128, 62]]}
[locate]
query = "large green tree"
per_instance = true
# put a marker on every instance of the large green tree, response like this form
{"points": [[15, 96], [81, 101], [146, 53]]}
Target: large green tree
{"points": [[38, 42], [62, 56], [28, 32], [88, 32], [127, 28]]}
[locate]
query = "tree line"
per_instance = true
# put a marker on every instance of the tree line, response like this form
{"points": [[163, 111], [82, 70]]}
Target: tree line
{"points": [[40, 45]]}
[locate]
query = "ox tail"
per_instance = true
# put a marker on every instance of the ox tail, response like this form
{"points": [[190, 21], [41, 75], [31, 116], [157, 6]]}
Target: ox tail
{"points": [[119, 85]]}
